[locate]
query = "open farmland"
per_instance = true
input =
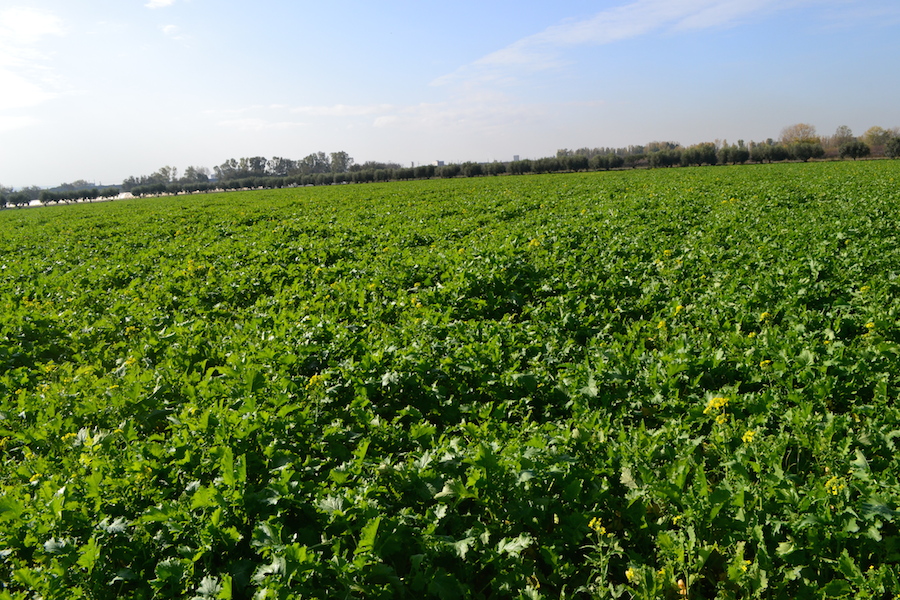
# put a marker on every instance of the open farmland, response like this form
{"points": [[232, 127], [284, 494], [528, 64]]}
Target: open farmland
{"points": [[649, 384]]}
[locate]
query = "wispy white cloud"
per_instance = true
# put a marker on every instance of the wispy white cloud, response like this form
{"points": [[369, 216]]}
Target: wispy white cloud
{"points": [[481, 110], [546, 49], [343, 110], [25, 77], [159, 3], [470, 113], [20, 92], [174, 32], [22, 26]]}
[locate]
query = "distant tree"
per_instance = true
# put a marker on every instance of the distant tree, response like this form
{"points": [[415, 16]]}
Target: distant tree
{"points": [[759, 153], [195, 175], [892, 148], [664, 158], [876, 136], [801, 132], [315, 163], [227, 170], [575, 162], [424, 171], [340, 162], [254, 166], [371, 165], [497, 168], [804, 151], [3, 200], [779, 152], [700, 154], [280, 167], [110, 192], [842, 135], [450, 171], [854, 149], [546, 165], [517, 167], [164, 175], [738, 154], [19, 199], [472, 169]]}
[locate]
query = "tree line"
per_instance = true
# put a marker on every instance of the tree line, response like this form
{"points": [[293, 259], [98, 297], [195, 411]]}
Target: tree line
{"points": [[797, 142]]}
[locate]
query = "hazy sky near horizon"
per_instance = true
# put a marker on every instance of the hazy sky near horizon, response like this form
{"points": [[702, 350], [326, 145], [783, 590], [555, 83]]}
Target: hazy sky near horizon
{"points": [[104, 89]]}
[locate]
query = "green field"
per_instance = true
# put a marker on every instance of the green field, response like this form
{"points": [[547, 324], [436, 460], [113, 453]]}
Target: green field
{"points": [[644, 384]]}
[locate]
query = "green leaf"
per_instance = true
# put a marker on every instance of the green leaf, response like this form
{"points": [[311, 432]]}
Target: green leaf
{"points": [[514, 546], [848, 568], [462, 546], [454, 489], [267, 535], [226, 466], [10, 509], [209, 588], [836, 589], [276, 567], [367, 535], [860, 466], [170, 569]]}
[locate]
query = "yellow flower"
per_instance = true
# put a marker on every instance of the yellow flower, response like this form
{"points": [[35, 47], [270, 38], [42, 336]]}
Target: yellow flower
{"points": [[748, 436], [630, 574], [765, 363], [597, 526], [834, 485], [715, 404], [766, 316], [35, 477], [722, 419], [678, 309], [662, 324], [751, 335], [870, 325]]}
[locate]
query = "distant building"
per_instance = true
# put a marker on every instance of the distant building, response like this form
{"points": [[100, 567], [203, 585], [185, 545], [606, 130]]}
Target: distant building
{"points": [[438, 163], [515, 157]]}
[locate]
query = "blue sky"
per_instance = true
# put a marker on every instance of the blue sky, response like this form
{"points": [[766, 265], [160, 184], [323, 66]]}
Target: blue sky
{"points": [[104, 89]]}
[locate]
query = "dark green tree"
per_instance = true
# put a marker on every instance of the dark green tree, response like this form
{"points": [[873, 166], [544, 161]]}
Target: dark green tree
{"points": [[340, 162], [805, 150], [892, 148], [855, 149], [450, 171], [517, 167]]}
